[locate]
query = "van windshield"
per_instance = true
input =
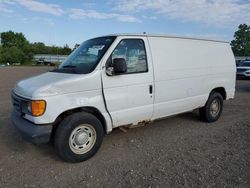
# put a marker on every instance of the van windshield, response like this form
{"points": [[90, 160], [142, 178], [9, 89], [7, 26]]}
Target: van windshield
{"points": [[86, 57]]}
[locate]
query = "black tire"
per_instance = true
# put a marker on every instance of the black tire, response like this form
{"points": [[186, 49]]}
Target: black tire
{"points": [[67, 127], [206, 113]]}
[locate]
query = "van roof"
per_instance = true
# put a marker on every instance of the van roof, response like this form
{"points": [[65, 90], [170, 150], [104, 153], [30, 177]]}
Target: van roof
{"points": [[165, 36]]}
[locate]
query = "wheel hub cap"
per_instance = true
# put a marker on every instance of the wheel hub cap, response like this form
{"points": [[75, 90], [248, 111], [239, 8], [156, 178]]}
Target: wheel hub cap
{"points": [[81, 138], [215, 108]]}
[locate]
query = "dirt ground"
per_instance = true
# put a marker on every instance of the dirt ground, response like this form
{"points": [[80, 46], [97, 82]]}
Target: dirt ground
{"points": [[180, 151]]}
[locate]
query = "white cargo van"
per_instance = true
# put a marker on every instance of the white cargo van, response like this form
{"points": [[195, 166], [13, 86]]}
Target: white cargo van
{"points": [[119, 80]]}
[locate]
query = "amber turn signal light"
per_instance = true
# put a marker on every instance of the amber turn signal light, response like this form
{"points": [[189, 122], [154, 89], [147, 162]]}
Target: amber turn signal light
{"points": [[38, 107]]}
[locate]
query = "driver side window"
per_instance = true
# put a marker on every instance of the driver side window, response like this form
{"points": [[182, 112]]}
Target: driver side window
{"points": [[134, 53]]}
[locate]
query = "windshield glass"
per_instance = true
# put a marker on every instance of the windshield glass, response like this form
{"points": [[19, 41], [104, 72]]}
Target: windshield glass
{"points": [[86, 57]]}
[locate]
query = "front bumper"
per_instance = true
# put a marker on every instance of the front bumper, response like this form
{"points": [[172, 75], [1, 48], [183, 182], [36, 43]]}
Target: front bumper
{"points": [[37, 134]]}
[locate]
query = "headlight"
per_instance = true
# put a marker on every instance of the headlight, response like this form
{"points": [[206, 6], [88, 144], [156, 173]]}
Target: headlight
{"points": [[29, 107], [36, 107]]}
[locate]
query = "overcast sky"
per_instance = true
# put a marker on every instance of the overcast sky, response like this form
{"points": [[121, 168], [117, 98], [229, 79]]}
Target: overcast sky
{"points": [[60, 22]]}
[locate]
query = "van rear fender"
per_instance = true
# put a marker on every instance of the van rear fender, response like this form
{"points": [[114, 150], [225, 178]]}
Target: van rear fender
{"points": [[220, 90]]}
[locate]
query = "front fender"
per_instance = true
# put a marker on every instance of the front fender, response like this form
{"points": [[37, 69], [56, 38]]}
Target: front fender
{"points": [[56, 105]]}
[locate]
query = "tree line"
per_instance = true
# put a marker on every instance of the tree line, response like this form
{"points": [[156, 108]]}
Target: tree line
{"points": [[15, 48], [241, 42]]}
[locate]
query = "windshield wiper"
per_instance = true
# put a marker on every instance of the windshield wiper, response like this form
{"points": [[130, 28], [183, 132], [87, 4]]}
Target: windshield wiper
{"points": [[69, 66], [72, 70]]}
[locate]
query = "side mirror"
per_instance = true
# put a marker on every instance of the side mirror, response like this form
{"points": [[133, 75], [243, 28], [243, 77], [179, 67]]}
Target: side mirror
{"points": [[119, 65]]}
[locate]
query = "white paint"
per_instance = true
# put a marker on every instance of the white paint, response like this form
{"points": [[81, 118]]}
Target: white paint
{"points": [[182, 71], [127, 96], [187, 70]]}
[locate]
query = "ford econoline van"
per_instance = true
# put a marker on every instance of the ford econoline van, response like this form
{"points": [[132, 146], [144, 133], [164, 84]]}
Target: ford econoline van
{"points": [[118, 80]]}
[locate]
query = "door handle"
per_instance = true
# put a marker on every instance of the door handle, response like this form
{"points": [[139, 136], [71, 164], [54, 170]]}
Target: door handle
{"points": [[150, 89]]}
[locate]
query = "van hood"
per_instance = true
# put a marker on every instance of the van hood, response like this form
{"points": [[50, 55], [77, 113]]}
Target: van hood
{"points": [[52, 83]]}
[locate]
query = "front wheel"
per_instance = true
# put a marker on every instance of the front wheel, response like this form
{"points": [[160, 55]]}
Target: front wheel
{"points": [[78, 137], [213, 108]]}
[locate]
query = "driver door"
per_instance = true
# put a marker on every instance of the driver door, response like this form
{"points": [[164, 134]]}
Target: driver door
{"points": [[129, 96]]}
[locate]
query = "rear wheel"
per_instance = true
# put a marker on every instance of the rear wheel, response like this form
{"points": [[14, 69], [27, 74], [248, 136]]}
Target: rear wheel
{"points": [[213, 108], [78, 137]]}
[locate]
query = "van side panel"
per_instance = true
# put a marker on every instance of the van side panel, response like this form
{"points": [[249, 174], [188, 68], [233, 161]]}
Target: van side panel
{"points": [[187, 70]]}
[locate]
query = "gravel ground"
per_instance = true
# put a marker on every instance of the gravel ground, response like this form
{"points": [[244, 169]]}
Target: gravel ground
{"points": [[180, 151]]}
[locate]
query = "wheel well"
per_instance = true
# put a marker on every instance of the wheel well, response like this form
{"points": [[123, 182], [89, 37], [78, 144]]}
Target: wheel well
{"points": [[222, 91], [90, 110]]}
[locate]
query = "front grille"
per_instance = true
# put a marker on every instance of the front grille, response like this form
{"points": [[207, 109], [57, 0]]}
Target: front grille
{"points": [[16, 102]]}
